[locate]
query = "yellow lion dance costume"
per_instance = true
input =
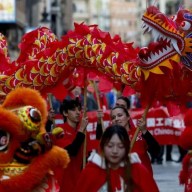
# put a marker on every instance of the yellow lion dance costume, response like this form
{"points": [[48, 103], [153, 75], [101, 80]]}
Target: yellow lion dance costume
{"points": [[28, 157]]}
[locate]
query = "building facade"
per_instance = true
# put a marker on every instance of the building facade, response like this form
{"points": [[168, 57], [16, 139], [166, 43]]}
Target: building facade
{"points": [[122, 17]]}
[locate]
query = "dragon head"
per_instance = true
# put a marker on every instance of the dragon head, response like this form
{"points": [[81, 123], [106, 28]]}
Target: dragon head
{"points": [[183, 21], [171, 36]]}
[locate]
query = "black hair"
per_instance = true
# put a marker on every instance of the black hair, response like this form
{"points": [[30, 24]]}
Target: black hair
{"points": [[120, 131], [69, 104], [126, 99], [123, 108], [123, 136]]}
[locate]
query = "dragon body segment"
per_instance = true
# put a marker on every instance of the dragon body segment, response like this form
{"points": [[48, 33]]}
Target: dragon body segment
{"points": [[44, 59]]}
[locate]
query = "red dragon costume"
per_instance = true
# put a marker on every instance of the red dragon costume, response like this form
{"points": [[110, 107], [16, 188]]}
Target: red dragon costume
{"points": [[28, 156], [158, 70]]}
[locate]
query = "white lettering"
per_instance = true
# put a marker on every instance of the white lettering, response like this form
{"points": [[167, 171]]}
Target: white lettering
{"points": [[159, 122], [178, 123], [178, 133], [161, 131], [168, 122], [150, 122], [90, 127], [92, 136]]}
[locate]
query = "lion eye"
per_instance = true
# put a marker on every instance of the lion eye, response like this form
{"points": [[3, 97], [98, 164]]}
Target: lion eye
{"points": [[4, 140], [35, 115]]}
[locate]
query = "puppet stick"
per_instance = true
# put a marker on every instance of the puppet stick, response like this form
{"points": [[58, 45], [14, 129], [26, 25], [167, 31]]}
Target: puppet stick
{"points": [[137, 130], [84, 115], [51, 106], [98, 102]]}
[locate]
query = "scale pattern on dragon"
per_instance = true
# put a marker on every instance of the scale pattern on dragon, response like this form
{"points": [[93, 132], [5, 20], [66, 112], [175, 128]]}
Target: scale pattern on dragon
{"points": [[162, 65]]}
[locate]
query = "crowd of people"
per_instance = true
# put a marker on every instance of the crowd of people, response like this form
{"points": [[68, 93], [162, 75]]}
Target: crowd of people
{"points": [[113, 165]]}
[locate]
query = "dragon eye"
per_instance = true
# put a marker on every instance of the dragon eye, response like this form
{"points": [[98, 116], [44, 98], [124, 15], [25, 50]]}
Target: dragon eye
{"points": [[185, 25], [173, 17]]}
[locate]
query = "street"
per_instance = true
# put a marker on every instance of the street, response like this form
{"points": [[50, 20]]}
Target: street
{"points": [[166, 175]]}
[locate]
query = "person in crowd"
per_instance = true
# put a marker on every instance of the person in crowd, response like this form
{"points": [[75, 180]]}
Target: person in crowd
{"points": [[74, 127], [123, 102], [113, 168], [50, 119], [144, 143], [135, 101], [182, 153], [111, 98], [91, 101], [168, 154]]}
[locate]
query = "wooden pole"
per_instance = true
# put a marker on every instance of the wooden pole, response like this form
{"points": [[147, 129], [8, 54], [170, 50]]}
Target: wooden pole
{"points": [[137, 130], [51, 106], [84, 115], [98, 101]]}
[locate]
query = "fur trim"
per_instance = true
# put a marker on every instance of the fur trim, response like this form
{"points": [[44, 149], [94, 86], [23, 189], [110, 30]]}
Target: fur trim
{"points": [[99, 160]]}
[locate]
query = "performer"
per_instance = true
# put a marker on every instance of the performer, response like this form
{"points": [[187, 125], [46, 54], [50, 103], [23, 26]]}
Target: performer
{"points": [[74, 127], [145, 142], [113, 169], [185, 175]]}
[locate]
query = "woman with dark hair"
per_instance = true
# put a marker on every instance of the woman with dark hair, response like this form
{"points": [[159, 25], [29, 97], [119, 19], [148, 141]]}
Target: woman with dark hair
{"points": [[114, 169], [73, 127], [144, 143], [123, 102]]}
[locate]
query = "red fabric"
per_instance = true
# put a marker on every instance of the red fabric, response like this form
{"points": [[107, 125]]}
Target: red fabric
{"points": [[67, 178], [105, 85], [185, 175], [128, 91], [173, 108], [164, 128], [140, 147], [93, 178], [187, 118], [185, 138]]}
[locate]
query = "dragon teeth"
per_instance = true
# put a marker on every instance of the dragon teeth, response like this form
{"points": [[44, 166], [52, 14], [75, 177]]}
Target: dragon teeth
{"points": [[157, 35], [157, 55], [174, 43]]}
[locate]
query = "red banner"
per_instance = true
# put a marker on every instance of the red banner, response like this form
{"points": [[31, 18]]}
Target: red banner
{"points": [[164, 128]]}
